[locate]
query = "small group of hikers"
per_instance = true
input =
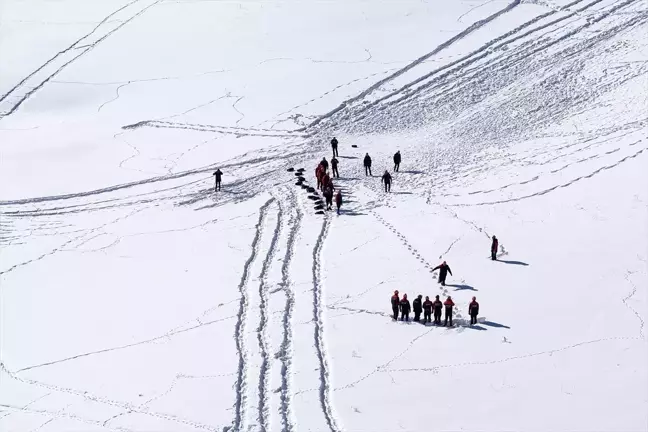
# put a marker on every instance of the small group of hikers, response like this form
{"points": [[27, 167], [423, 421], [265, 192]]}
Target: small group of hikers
{"points": [[386, 177], [325, 183], [427, 307]]}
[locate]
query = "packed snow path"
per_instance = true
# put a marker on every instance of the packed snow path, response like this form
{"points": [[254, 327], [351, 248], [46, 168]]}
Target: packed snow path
{"points": [[133, 297]]}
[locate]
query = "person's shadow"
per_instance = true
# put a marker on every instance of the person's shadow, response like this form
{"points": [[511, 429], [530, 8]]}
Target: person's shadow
{"points": [[462, 287], [512, 262]]}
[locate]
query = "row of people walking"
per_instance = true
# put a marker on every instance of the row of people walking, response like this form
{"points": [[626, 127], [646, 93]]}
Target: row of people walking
{"points": [[427, 307]]}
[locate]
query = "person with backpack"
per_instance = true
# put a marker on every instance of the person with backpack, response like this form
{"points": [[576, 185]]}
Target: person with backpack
{"points": [[449, 304], [405, 308], [334, 145], [218, 175], [334, 165], [367, 165], [443, 268], [438, 306], [427, 310], [417, 308], [387, 179], [473, 310], [494, 247], [395, 303], [397, 161], [338, 200]]}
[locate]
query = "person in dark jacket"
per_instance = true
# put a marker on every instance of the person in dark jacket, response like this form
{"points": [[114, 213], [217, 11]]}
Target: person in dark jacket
{"points": [[334, 165], [449, 304], [325, 180], [387, 179], [473, 310], [325, 164], [438, 307], [427, 310], [319, 172], [328, 196], [395, 302], [334, 144], [405, 308], [218, 174], [367, 165], [417, 307], [338, 200], [397, 160], [494, 247], [443, 268]]}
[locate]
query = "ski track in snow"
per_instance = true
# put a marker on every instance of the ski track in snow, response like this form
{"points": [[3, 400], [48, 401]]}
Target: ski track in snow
{"points": [[240, 406], [320, 347]]}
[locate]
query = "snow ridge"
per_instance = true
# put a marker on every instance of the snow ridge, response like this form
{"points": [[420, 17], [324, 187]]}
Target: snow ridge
{"points": [[240, 406], [262, 330], [325, 385], [286, 349]]}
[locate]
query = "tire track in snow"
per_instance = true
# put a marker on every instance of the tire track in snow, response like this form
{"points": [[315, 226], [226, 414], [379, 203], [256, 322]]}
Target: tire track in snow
{"points": [[634, 311], [285, 353], [240, 405], [262, 329], [320, 347]]}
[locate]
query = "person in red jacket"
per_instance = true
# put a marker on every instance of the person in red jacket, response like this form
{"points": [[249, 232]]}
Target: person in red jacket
{"points": [[405, 308], [325, 180], [438, 306], [395, 303], [494, 247], [473, 310], [449, 304], [318, 175], [427, 310]]}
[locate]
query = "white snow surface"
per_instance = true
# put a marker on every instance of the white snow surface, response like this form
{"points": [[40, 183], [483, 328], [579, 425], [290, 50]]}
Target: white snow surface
{"points": [[135, 298]]}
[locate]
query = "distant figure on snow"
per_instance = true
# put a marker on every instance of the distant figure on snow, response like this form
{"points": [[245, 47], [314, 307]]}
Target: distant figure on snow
{"points": [[387, 179], [473, 310], [334, 144], [334, 164], [427, 310], [417, 307], [338, 200], [397, 160], [395, 303], [443, 268], [218, 174], [449, 304], [494, 247], [367, 165], [405, 308], [438, 306], [324, 163]]}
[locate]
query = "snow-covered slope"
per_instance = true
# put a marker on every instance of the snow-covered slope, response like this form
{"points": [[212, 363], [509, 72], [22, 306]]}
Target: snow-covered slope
{"points": [[135, 298]]}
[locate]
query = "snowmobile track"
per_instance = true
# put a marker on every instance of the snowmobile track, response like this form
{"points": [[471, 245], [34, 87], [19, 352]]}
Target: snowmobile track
{"points": [[325, 374], [240, 406]]}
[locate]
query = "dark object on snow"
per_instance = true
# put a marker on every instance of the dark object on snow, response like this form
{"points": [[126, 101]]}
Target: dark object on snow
{"points": [[304, 186], [311, 189], [473, 310], [300, 170], [354, 146], [443, 268], [319, 207], [313, 197], [387, 179], [449, 304], [405, 308], [301, 178], [397, 161], [297, 174], [319, 212], [334, 165], [367, 164], [290, 169], [494, 247], [338, 200], [334, 144], [299, 183], [218, 174], [395, 303]]}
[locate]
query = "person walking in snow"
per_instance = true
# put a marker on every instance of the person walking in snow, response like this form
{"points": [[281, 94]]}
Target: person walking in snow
{"points": [[417, 308], [449, 304], [319, 172], [494, 247], [334, 145], [387, 179], [334, 165], [397, 161], [473, 310], [395, 303], [338, 200], [443, 268], [328, 195], [427, 310], [438, 306], [405, 308], [218, 174], [325, 180], [325, 164], [367, 165]]}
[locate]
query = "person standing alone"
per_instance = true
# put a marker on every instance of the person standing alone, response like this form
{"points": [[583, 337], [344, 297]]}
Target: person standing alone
{"points": [[367, 165], [218, 174], [473, 310], [334, 145], [334, 164], [387, 179], [397, 161], [494, 247], [443, 268]]}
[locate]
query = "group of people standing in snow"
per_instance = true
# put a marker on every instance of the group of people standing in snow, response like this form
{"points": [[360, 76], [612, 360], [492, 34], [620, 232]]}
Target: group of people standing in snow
{"points": [[427, 307], [325, 183], [386, 177]]}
